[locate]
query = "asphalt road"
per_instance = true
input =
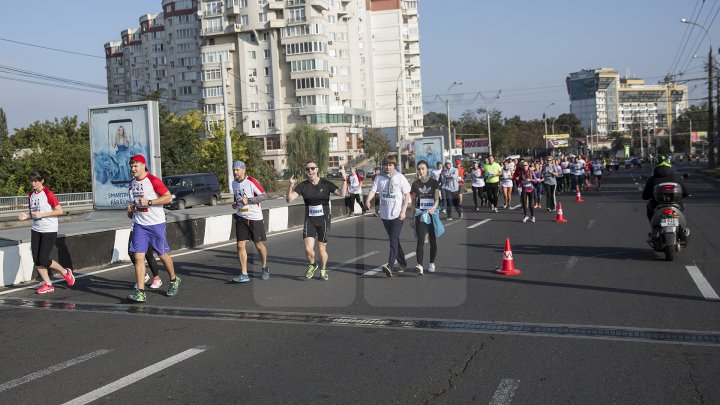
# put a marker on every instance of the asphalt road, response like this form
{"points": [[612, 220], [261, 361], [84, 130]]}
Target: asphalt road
{"points": [[595, 317]]}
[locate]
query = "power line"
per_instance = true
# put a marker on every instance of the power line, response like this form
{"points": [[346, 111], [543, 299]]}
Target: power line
{"points": [[52, 49]]}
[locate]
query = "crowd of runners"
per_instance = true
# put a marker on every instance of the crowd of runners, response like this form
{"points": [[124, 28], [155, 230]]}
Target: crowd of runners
{"points": [[437, 191]]}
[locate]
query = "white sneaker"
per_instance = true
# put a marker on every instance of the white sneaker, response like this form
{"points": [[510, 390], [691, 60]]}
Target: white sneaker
{"points": [[157, 283], [147, 278], [532, 219], [526, 219], [419, 270], [431, 267]]}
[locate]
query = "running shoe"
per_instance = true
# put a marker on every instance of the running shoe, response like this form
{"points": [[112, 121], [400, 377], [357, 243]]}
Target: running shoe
{"points": [[69, 277], [477, 208], [174, 286], [45, 288], [532, 219], [324, 275], [311, 271], [242, 278], [265, 274], [157, 283], [461, 216], [419, 270], [526, 219], [495, 209], [431, 267], [147, 278], [448, 218], [137, 296], [387, 271], [400, 269]]}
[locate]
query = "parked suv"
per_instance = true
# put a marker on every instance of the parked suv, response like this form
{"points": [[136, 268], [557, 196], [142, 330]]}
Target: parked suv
{"points": [[192, 189]]}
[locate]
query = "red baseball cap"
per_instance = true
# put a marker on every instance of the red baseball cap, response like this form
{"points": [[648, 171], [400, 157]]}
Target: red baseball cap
{"points": [[138, 158]]}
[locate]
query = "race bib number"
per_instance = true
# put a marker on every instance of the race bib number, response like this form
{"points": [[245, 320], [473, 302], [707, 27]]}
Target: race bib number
{"points": [[426, 203], [478, 182], [244, 210], [315, 211], [388, 197]]}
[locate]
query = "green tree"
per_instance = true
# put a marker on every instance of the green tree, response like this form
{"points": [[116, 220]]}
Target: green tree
{"points": [[181, 137], [376, 145], [433, 119], [306, 142]]}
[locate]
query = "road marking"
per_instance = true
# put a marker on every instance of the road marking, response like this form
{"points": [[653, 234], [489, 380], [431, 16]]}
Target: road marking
{"points": [[479, 223], [42, 373], [377, 269], [590, 223], [516, 206], [341, 265], [571, 262], [136, 376], [705, 288], [505, 391]]}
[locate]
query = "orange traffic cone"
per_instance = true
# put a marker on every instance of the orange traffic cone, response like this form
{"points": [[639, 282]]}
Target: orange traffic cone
{"points": [[508, 264], [578, 198], [560, 217]]}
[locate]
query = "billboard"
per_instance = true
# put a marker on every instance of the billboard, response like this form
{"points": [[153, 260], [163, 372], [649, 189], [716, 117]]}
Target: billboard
{"points": [[553, 141], [476, 145], [118, 132], [696, 136], [429, 149]]}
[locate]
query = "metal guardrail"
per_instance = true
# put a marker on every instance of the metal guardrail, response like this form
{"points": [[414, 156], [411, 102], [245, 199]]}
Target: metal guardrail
{"points": [[20, 202]]}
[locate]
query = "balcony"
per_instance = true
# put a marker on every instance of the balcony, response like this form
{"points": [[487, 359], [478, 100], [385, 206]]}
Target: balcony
{"points": [[278, 23], [319, 4], [409, 12], [213, 31], [233, 10], [276, 5], [296, 20]]}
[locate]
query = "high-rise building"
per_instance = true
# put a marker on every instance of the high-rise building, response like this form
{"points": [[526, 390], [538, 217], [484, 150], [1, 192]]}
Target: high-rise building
{"points": [[604, 102], [341, 65]]}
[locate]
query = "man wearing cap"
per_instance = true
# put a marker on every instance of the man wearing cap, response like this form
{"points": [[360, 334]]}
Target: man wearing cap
{"points": [[249, 224], [148, 194]]}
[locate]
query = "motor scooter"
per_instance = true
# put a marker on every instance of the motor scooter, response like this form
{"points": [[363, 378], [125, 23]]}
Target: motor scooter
{"points": [[669, 232]]}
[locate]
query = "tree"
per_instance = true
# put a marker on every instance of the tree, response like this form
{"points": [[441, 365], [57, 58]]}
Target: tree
{"points": [[433, 119], [305, 143], [3, 124], [376, 145], [181, 137]]}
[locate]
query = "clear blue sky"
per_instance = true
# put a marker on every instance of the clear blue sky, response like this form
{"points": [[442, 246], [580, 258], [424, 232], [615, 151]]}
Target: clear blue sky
{"points": [[525, 48]]}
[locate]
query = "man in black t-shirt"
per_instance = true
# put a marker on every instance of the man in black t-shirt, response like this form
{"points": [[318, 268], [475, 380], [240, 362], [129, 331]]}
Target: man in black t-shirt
{"points": [[316, 192]]}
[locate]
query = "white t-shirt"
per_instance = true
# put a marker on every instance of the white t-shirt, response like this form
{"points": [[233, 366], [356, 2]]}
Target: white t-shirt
{"points": [[391, 193], [565, 167], [150, 188], [435, 174], [580, 167], [353, 184], [477, 178], [249, 188], [44, 201]]}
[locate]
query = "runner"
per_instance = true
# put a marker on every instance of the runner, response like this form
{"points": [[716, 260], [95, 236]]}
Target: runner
{"points": [[492, 173], [551, 172], [506, 179], [451, 189], [578, 169], [148, 194], [149, 257], [354, 192], [435, 174], [598, 169], [394, 191], [461, 181], [478, 185], [425, 193], [44, 209], [249, 224], [316, 192], [527, 181], [567, 176]]}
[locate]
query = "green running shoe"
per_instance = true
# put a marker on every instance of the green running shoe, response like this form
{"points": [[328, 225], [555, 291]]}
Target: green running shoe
{"points": [[324, 275], [137, 296], [310, 271], [174, 286]]}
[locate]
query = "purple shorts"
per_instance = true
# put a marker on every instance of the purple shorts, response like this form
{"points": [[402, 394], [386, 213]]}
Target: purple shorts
{"points": [[149, 235]]}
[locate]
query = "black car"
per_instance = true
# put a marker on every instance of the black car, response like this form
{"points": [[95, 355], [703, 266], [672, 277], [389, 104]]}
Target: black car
{"points": [[192, 189], [334, 174]]}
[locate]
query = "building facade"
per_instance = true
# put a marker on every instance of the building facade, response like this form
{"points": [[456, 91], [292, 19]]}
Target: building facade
{"points": [[340, 65], [604, 102]]}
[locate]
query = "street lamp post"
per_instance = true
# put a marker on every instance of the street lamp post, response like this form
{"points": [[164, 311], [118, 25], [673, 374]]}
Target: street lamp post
{"points": [[487, 116], [398, 106], [447, 109], [711, 124], [545, 122]]}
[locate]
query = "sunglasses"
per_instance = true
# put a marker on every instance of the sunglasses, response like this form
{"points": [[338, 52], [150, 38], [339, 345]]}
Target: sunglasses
{"points": [[309, 169]]}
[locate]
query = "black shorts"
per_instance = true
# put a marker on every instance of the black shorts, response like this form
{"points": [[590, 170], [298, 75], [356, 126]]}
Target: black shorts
{"points": [[316, 227], [246, 229], [41, 245]]}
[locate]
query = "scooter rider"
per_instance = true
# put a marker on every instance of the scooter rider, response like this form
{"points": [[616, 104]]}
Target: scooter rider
{"points": [[663, 173]]}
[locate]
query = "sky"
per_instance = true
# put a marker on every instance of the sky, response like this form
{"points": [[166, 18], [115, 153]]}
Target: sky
{"points": [[520, 49]]}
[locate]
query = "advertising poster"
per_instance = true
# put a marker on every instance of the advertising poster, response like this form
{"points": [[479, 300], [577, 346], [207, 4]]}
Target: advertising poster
{"points": [[554, 141], [117, 133], [475, 145], [429, 149]]}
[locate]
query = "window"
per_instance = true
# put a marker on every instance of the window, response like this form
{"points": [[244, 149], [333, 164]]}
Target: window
{"points": [[254, 106], [251, 55], [262, 17], [244, 19], [348, 141], [214, 109], [266, 53], [215, 91], [267, 71], [270, 105], [334, 161], [160, 73], [296, 14], [186, 90], [265, 36], [271, 123], [212, 74], [252, 72], [333, 141], [268, 89], [359, 141], [212, 57], [272, 143], [213, 24], [253, 89], [331, 19], [343, 53], [255, 124]]}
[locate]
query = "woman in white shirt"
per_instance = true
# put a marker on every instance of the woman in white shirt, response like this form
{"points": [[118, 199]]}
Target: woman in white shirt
{"points": [[506, 182]]}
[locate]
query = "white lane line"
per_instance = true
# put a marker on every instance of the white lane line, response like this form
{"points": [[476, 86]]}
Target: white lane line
{"points": [[571, 262], [479, 223], [377, 269], [705, 288], [189, 252], [591, 223], [514, 207], [505, 391], [341, 265], [42, 373], [136, 376]]}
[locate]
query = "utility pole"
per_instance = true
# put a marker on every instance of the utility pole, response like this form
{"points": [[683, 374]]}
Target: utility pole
{"points": [[711, 119], [228, 142]]}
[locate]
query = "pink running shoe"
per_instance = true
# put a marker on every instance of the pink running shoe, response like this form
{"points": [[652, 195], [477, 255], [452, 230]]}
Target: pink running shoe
{"points": [[157, 283], [45, 288], [69, 277]]}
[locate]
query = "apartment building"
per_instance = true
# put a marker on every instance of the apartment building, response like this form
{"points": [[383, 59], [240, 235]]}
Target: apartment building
{"points": [[340, 65], [604, 102]]}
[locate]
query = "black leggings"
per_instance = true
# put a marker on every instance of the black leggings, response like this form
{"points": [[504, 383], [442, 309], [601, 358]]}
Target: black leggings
{"points": [[478, 193], [152, 264], [350, 203], [41, 244], [492, 193], [550, 194], [527, 202], [420, 248]]}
